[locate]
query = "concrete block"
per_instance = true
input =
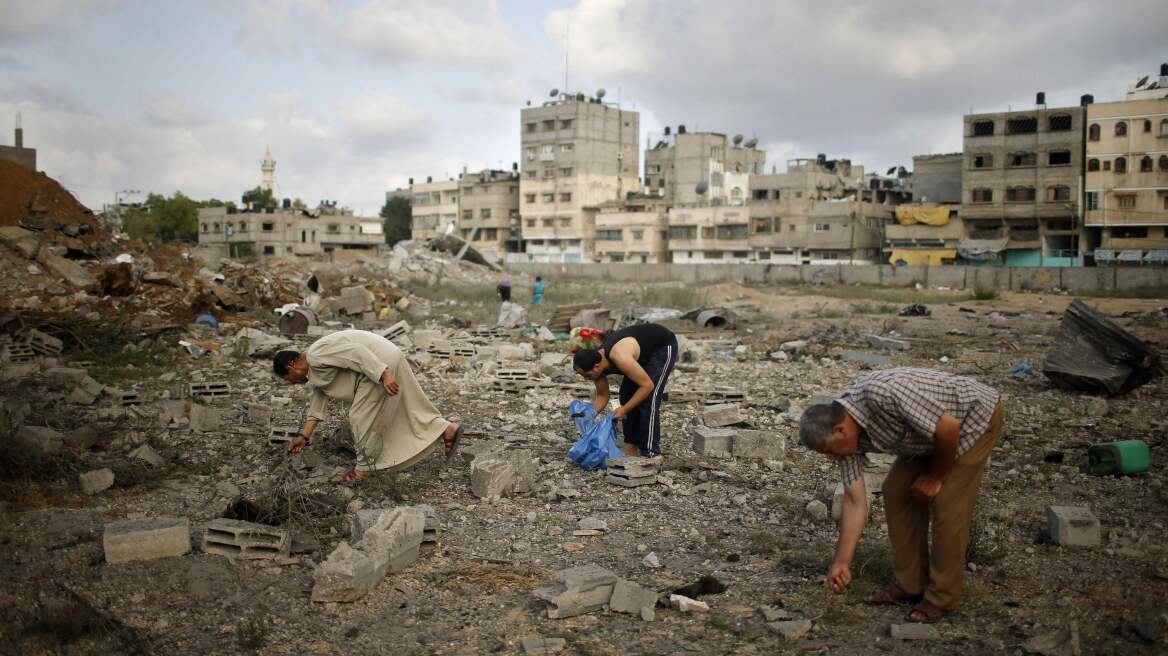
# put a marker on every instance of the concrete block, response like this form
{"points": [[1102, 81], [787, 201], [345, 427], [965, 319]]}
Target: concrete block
{"points": [[147, 454], [759, 445], [172, 412], [96, 481], [86, 392], [577, 590], [395, 332], [43, 343], [65, 375], [1073, 526], [490, 478], [627, 481], [553, 359], [346, 575], [423, 339], [395, 536], [146, 539], [204, 419], [541, 646], [628, 597], [210, 389], [914, 631], [245, 540], [634, 466], [390, 544], [725, 414], [864, 359], [713, 442], [886, 343], [523, 351], [282, 434]]}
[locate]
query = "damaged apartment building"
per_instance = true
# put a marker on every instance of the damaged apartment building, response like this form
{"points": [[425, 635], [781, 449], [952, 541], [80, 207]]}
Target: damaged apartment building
{"points": [[287, 231]]}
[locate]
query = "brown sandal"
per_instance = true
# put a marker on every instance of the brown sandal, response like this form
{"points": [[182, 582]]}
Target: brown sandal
{"points": [[894, 594], [927, 612]]}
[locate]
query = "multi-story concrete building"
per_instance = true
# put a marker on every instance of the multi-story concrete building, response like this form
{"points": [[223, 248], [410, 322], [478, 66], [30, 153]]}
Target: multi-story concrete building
{"points": [[632, 230], [695, 168], [937, 178], [1127, 176], [434, 208], [577, 153], [928, 231], [287, 232], [25, 157], [488, 206], [1021, 185]]}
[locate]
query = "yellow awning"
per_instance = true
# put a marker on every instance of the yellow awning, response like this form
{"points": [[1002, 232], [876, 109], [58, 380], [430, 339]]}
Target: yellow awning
{"points": [[922, 256], [934, 216]]}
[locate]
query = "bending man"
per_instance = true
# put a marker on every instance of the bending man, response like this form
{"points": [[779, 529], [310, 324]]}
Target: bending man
{"points": [[942, 428], [394, 424], [644, 354]]}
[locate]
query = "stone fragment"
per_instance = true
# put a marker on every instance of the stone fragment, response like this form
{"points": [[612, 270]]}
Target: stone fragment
{"points": [[245, 540], [687, 605], [1073, 526], [491, 478], [759, 445], [914, 631], [1060, 642], [725, 414], [774, 613], [96, 481], [865, 358], [1096, 407], [592, 524], [628, 597], [86, 392], [523, 351], [346, 575], [146, 539], [577, 590], [713, 442], [793, 346], [40, 439], [390, 545], [205, 419], [543, 645], [149, 455], [72, 272], [779, 356], [65, 375], [817, 510], [791, 629], [259, 413], [886, 343]]}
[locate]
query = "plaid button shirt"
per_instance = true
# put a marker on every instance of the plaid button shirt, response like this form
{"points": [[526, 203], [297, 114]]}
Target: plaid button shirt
{"points": [[899, 410]]}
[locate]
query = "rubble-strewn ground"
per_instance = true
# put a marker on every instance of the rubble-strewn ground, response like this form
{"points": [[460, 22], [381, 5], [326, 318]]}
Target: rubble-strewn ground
{"points": [[742, 522]]}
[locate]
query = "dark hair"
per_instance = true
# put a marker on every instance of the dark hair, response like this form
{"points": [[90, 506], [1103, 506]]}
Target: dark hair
{"points": [[585, 359], [817, 423], [282, 361], [539, 278]]}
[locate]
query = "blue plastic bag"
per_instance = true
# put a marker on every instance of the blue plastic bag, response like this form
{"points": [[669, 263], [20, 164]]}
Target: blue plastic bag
{"points": [[597, 441]]}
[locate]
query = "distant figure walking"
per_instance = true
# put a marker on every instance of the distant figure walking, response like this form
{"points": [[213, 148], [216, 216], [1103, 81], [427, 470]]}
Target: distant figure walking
{"points": [[537, 291], [505, 290]]}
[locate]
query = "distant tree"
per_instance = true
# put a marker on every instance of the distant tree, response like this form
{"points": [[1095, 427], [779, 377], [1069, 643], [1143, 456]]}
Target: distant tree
{"points": [[396, 213], [260, 198], [299, 204], [175, 218], [140, 225]]}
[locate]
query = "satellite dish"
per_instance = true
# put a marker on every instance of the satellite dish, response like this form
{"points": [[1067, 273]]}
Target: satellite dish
{"points": [[751, 143], [1142, 82], [553, 93], [737, 139], [600, 93], [891, 171], [701, 188]]}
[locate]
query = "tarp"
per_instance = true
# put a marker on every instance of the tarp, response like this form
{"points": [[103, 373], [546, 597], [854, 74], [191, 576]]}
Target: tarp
{"points": [[922, 256], [1091, 353], [911, 214], [981, 249]]}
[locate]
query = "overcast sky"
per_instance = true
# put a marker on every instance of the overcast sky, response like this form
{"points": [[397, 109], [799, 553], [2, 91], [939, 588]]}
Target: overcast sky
{"points": [[355, 97]]}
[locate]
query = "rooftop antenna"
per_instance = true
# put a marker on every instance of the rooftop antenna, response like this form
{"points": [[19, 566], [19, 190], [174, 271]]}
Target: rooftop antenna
{"points": [[567, 48]]}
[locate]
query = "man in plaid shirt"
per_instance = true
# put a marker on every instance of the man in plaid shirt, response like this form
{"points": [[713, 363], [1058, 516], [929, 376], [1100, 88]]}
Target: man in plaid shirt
{"points": [[942, 428]]}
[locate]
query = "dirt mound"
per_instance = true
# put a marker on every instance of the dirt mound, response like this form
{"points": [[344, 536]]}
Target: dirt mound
{"points": [[37, 201]]}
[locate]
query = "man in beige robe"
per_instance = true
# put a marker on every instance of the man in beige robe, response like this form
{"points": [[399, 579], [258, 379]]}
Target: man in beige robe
{"points": [[394, 424]]}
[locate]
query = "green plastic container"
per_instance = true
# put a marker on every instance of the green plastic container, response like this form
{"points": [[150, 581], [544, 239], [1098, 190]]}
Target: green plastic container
{"points": [[1119, 458]]}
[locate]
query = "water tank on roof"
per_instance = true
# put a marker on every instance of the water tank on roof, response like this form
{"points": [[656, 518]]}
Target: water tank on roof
{"points": [[681, 129], [287, 203], [1040, 99], [667, 130], [1086, 99]]}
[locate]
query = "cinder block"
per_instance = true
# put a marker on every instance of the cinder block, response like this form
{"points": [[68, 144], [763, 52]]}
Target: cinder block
{"points": [[282, 434], [43, 343], [96, 481], [726, 414], [146, 539], [245, 540], [147, 453], [210, 390], [128, 399], [713, 442], [1073, 526], [395, 331], [491, 478], [389, 545], [759, 445], [204, 419], [513, 374]]}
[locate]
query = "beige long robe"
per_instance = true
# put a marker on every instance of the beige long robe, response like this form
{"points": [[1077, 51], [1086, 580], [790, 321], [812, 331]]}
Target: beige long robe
{"points": [[390, 432]]}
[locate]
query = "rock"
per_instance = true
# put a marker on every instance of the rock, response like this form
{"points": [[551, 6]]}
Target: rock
{"points": [[886, 343], [793, 346], [651, 560], [1062, 642], [146, 539], [687, 605], [40, 439], [543, 645], [72, 272], [725, 414], [1096, 407], [96, 481], [774, 613], [791, 629], [816, 509], [1072, 526], [631, 598], [779, 356], [592, 524], [577, 590], [149, 455], [914, 631], [204, 419], [864, 358]]}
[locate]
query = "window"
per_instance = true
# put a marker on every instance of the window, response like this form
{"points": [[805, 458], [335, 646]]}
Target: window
{"points": [[1092, 164], [1121, 129], [682, 232], [546, 152], [1121, 165], [566, 197], [491, 234], [1164, 127], [1145, 164], [1166, 207], [822, 227], [983, 161], [1147, 126], [566, 172], [982, 196], [529, 153], [1019, 160], [1106, 165], [547, 223], [243, 226], [707, 232], [529, 198], [333, 228], [215, 228], [531, 173], [549, 124], [617, 258], [1059, 122], [732, 231], [1022, 125], [1163, 163], [548, 198], [1019, 194], [565, 221], [1093, 132], [1126, 201], [638, 235], [609, 235], [485, 213], [1092, 200], [269, 250], [653, 168], [1056, 194], [564, 148], [1059, 158], [983, 128], [566, 124], [1130, 232], [760, 194], [531, 223], [530, 127], [712, 255], [204, 227], [468, 214]]}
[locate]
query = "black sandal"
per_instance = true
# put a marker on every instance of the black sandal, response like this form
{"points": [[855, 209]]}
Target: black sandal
{"points": [[452, 448]]}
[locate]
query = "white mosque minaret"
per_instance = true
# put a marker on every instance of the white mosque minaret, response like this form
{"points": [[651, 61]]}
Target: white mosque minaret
{"points": [[268, 166]]}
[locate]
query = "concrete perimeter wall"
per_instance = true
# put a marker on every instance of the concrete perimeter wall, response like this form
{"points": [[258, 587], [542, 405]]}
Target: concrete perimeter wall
{"points": [[953, 277]]}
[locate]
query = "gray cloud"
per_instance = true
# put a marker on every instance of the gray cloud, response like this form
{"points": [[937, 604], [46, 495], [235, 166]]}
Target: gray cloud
{"points": [[29, 19]]}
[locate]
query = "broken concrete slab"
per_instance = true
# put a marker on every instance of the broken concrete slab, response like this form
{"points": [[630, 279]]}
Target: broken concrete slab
{"points": [[864, 358], [147, 454], [146, 539], [628, 597], [577, 590], [713, 442], [791, 629], [245, 540], [721, 415], [686, 605], [204, 419], [759, 445], [886, 343], [65, 375], [98, 480], [86, 392], [542, 646], [40, 439], [390, 545], [914, 631], [1073, 526], [346, 575], [491, 478], [72, 272]]}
